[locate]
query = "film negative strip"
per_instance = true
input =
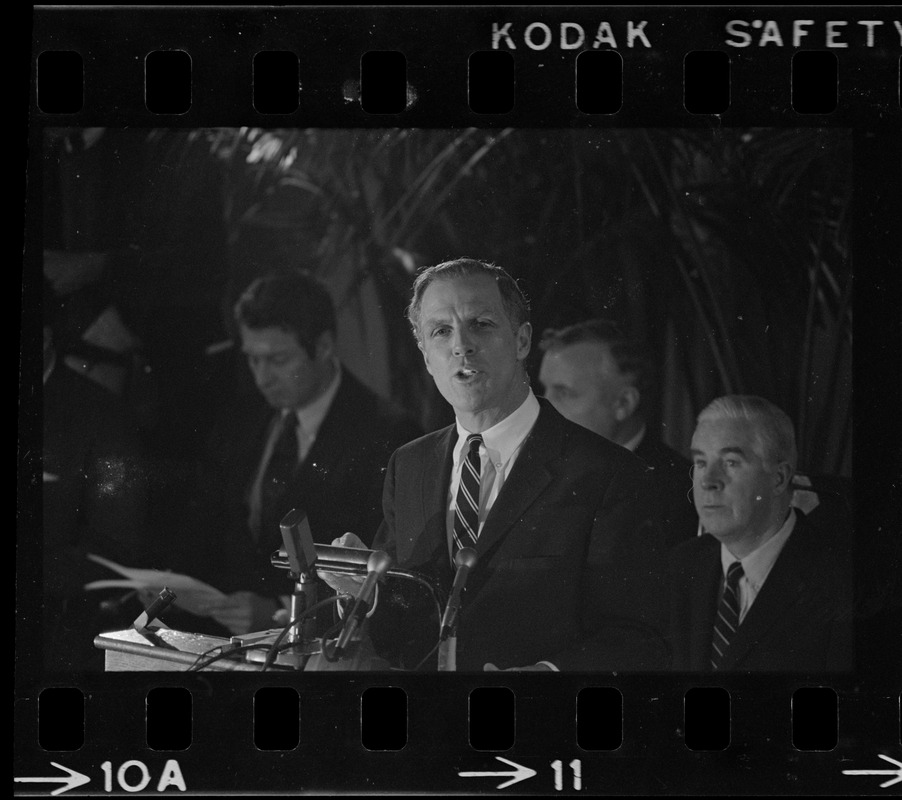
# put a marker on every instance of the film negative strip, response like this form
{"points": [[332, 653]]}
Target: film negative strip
{"points": [[726, 179]]}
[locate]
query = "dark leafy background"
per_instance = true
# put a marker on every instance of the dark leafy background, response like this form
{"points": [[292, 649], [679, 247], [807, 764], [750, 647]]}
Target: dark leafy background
{"points": [[728, 250]]}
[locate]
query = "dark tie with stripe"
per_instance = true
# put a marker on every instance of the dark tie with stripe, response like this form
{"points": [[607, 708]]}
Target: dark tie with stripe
{"points": [[466, 512], [727, 620], [279, 470]]}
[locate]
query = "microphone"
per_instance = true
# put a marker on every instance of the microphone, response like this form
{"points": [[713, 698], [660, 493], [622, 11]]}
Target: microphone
{"points": [[464, 560], [301, 553], [377, 565], [331, 555], [328, 557], [298, 541], [157, 607]]}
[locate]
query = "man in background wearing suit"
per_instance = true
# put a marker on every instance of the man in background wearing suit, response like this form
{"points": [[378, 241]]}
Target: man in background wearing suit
{"points": [[320, 444], [762, 589], [568, 577], [599, 378]]}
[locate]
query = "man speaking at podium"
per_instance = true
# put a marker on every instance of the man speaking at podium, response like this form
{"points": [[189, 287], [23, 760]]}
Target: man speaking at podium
{"points": [[568, 575]]}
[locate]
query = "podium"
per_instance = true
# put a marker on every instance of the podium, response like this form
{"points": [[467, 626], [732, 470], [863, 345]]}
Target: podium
{"points": [[165, 651], [409, 612]]}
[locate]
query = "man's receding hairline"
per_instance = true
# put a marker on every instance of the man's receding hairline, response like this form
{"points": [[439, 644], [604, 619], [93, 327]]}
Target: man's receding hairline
{"points": [[758, 441], [499, 306]]}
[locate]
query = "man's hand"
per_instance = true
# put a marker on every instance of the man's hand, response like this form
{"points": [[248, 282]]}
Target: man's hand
{"points": [[349, 540], [242, 612], [339, 582], [530, 668]]}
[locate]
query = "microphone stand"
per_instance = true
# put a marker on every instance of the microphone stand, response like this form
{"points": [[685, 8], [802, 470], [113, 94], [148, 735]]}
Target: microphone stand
{"points": [[447, 651], [158, 606], [301, 562], [464, 560], [304, 597], [349, 561]]}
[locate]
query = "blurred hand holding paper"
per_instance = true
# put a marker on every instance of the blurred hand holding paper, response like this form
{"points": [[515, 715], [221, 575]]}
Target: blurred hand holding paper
{"points": [[193, 595]]}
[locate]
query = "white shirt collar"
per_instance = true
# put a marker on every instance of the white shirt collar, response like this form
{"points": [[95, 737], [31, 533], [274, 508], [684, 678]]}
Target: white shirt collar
{"points": [[504, 438], [757, 565]]}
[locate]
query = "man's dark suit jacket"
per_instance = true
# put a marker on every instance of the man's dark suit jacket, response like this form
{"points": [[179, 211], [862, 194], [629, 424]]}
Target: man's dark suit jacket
{"points": [[566, 572], [673, 485], [338, 485], [800, 620]]}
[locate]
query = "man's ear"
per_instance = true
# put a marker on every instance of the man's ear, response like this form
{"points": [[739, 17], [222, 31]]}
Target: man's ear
{"points": [[324, 349], [627, 403], [425, 356], [783, 475], [524, 340]]}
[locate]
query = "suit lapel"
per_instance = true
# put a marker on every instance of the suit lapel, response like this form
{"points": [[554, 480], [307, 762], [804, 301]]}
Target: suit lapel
{"points": [[437, 464], [706, 585], [333, 441], [254, 441], [334, 430], [252, 450], [778, 595], [428, 540], [529, 477]]}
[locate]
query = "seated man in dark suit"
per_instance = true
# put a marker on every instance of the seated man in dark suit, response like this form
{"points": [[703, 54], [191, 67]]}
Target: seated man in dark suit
{"points": [[320, 444], [567, 576], [762, 589], [599, 378]]}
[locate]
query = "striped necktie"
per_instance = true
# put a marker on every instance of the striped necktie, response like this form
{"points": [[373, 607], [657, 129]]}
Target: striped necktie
{"points": [[466, 512], [727, 620]]}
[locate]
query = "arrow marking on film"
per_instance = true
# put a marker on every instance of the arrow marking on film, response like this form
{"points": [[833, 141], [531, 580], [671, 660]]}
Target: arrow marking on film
{"points": [[70, 781], [520, 773], [896, 772]]}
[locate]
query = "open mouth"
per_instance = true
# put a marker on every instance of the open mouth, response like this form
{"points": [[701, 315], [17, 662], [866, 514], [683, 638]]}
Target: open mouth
{"points": [[464, 373]]}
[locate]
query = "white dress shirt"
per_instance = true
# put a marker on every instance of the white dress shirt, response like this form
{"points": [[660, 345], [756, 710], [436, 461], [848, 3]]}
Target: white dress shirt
{"points": [[310, 417], [756, 566], [310, 420], [500, 446]]}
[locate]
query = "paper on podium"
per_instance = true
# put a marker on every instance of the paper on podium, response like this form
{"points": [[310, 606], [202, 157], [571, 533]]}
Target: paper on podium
{"points": [[192, 595]]}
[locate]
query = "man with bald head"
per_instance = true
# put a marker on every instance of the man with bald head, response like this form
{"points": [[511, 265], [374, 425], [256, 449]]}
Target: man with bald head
{"points": [[762, 589], [567, 571], [599, 378]]}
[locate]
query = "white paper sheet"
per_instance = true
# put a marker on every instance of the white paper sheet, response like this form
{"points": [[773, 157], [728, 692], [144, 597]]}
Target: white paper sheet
{"points": [[191, 594]]}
